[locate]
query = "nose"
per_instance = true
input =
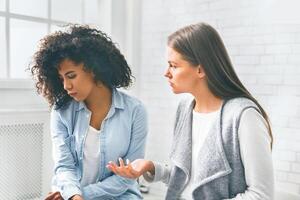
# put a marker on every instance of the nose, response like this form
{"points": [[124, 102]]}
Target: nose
{"points": [[167, 73], [67, 84]]}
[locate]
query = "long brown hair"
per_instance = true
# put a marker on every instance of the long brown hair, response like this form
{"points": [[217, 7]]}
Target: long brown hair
{"points": [[200, 44]]}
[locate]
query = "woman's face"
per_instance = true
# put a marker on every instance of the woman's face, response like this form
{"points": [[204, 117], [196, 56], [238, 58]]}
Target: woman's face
{"points": [[182, 76], [77, 82]]}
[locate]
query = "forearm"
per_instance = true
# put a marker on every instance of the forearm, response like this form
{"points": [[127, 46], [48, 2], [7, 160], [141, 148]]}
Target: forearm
{"points": [[67, 183], [112, 186]]}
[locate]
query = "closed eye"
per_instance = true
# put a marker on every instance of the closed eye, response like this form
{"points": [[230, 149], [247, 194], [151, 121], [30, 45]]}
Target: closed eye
{"points": [[172, 66], [71, 76]]}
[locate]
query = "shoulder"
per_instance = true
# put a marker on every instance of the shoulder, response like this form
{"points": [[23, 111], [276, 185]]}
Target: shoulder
{"points": [[131, 103], [236, 106], [252, 118], [233, 109], [239, 103], [253, 129], [66, 110], [129, 99]]}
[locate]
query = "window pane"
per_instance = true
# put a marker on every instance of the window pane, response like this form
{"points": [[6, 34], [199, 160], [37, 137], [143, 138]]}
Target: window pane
{"points": [[67, 10], [91, 12], [36, 8], [3, 66], [2, 5], [55, 27], [23, 43]]}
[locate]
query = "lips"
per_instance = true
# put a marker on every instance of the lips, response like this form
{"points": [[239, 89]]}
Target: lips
{"points": [[72, 93]]}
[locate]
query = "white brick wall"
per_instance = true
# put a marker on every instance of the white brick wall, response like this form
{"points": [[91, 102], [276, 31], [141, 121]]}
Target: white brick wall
{"points": [[266, 56]]}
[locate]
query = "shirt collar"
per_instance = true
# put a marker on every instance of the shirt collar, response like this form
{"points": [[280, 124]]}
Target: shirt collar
{"points": [[117, 101]]}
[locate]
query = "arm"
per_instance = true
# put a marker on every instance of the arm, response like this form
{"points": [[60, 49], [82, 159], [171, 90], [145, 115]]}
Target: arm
{"points": [[256, 156], [65, 170], [152, 171], [115, 185]]}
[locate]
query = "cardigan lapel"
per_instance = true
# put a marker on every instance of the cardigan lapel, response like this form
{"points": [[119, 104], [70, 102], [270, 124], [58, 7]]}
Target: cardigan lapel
{"points": [[212, 161], [181, 153]]}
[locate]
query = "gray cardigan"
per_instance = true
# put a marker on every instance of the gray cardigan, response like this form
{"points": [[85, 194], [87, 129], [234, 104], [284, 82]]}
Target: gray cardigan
{"points": [[221, 172]]}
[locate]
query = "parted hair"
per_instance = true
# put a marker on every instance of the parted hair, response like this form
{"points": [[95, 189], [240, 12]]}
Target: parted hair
{"points": [[200, 44]]}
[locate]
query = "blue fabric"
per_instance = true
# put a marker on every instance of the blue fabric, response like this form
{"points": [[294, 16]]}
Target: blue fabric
{"points": [[123, 134]]}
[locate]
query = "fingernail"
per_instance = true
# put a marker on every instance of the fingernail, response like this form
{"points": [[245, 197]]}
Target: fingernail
{"points": [[127, 161]]}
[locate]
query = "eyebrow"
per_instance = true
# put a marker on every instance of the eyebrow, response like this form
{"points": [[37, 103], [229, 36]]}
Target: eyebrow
{"points": [[172, 62], [69, 72]]}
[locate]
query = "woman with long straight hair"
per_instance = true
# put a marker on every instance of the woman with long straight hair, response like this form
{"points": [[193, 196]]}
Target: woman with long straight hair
{"points": [[222, 141]]}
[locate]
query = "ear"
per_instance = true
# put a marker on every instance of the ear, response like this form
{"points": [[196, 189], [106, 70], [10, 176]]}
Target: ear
{"points": [[201, 72]]}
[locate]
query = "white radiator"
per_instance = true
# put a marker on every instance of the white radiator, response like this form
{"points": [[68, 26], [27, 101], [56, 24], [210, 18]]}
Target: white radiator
{"points": [[25, 155]]}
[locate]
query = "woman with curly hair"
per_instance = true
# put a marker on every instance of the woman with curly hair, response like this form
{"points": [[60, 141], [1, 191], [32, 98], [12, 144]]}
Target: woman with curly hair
{"points": [[92, 122]]}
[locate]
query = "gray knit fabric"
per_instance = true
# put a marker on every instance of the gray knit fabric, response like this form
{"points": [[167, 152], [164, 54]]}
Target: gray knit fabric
{"points": [[220, 172]]}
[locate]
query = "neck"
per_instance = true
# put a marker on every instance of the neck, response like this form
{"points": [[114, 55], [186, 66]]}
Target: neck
{"points": [[206, 101], [100, 97]]}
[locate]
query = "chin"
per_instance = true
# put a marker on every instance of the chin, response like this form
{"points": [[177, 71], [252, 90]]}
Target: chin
{"points": [[77, 99], [176, 91]]}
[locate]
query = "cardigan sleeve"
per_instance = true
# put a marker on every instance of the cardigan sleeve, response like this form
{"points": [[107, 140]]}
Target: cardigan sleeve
{"points": [[162, 173], [256, 156]]}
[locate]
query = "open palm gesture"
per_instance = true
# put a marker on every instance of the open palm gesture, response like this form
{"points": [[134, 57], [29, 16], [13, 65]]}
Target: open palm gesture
{"points": [[131, 170]]}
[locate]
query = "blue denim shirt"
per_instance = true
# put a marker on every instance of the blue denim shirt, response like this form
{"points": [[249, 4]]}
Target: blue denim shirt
{"points": [[123, 134]]}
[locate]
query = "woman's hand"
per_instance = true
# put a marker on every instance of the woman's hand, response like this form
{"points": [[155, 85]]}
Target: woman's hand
{"points": [[54, 196], [132, 170], [76, 197]]}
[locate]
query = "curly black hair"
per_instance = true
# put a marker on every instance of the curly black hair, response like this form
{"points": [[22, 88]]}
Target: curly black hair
{"points": [[81, 44]]}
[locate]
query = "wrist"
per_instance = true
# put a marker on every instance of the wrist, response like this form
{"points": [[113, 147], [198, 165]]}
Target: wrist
{"points": [[150, 167]]}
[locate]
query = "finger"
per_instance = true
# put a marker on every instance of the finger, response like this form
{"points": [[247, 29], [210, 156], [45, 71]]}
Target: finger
{"points": [[121, 171], [126, 170], [58, 196], [55, 198], [121, 162], [51, 195], [111, 167], [113, 164]]}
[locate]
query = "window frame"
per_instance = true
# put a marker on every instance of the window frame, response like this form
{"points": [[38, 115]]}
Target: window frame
{"points": [[26, 83]]}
